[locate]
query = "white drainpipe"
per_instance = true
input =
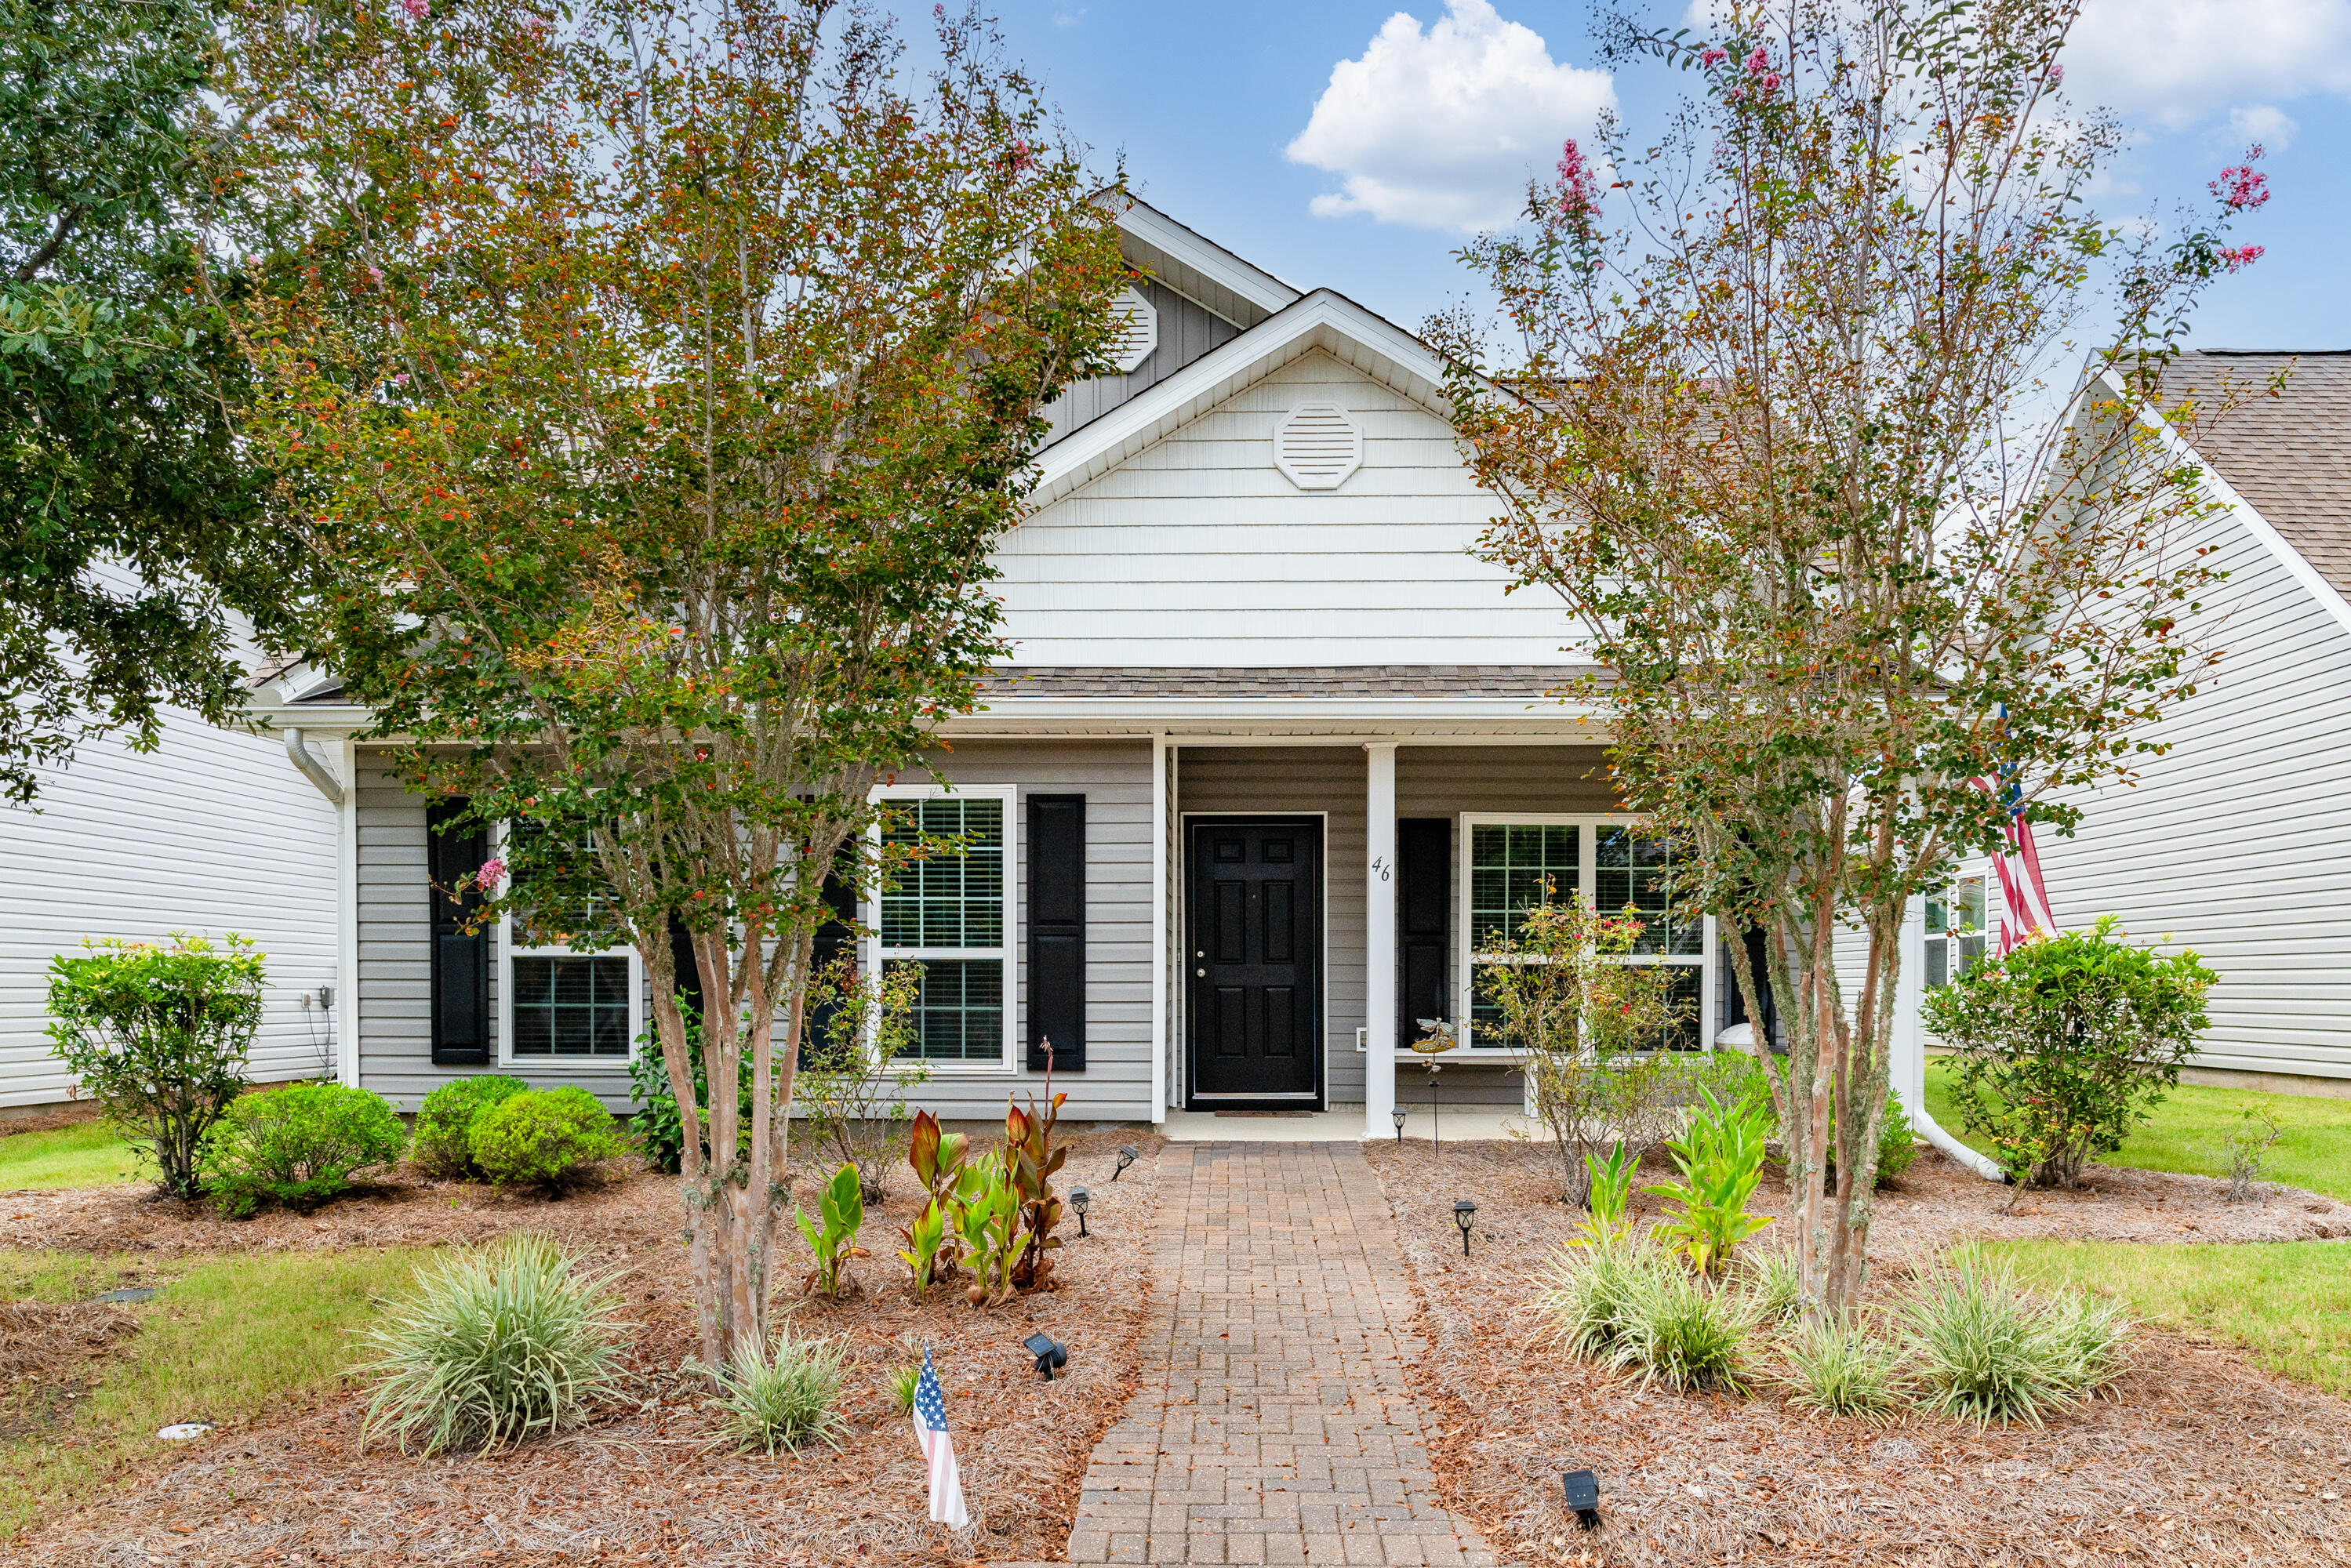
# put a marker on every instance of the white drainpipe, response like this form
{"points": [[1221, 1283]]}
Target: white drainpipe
{"points": [[344, 1012], [1910, 1047]]}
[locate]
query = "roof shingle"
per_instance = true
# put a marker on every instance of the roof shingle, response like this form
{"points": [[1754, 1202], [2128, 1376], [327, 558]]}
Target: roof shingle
{"points": [[2289, 455]]}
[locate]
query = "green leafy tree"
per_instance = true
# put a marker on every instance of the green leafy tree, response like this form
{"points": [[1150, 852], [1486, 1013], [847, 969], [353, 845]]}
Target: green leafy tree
{"points": [[132, 524], [2067, 1042], [696, 367], [158, 1034], [1810, 457]]}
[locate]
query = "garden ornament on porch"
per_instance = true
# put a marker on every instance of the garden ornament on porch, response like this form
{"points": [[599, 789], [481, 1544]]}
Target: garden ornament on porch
{"points": [[1436, 1036]]}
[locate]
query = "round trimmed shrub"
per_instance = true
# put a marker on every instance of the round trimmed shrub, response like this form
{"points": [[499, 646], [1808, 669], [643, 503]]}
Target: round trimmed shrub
{"points": [[445, 1123], [546, 1138], [297, 1146], [496, 1346]]}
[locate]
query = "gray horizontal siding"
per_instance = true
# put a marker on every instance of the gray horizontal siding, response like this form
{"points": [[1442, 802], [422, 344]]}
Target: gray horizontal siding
{"points": [[1186, 332], [395, 933]]}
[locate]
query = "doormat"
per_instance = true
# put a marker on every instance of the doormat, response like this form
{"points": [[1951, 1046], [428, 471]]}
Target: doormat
{"points": [[1265, 1112]]}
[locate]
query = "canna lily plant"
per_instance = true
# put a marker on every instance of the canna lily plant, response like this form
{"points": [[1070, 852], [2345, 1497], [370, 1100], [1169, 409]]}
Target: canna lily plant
{"points": [[843, 1209], [1722, 1159]]}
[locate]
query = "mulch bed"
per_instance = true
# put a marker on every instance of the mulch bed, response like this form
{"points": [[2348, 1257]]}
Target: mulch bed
{"points": [[47, 1121], [2192, 1456], [654, 1483]]}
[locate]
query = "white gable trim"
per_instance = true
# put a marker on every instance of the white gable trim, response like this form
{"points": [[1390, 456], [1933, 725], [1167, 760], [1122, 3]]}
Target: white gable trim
{"points": [[1331, 322], [2320, 591], [1204, 272]]}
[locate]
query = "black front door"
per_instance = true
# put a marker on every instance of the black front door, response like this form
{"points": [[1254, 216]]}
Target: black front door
{"points": [[1256, 949]]}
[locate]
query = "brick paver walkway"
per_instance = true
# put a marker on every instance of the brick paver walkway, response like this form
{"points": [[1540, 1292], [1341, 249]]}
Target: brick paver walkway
{"points": [[1274, 1423]]}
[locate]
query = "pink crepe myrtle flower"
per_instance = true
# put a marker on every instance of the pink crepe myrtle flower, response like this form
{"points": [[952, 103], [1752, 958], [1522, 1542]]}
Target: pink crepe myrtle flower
{"points": [[493, 872], [1768, 84], [1712, 55], [416, 9], [2056, 75], [1759, 62], [2244, 187], [2234, 257], [1579, 189]]}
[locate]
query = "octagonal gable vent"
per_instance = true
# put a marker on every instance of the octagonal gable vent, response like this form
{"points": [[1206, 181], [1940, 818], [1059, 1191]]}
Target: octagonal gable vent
{"points": [[1134, 331], [1317, 447]]}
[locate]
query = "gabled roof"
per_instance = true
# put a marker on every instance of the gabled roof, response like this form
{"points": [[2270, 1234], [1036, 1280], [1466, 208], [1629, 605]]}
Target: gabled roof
{"points": [[1198, 267], [2289, 455], [1323, 319]]}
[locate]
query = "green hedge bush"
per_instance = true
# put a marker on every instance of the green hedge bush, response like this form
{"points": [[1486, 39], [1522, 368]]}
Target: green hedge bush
{"points": [[445, 1123], [546, 1138], [297, 1146]]}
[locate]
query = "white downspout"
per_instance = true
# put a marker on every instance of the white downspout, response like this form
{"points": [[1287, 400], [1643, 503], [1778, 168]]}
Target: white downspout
{"points": [[1910, 1047], [345, 800]]}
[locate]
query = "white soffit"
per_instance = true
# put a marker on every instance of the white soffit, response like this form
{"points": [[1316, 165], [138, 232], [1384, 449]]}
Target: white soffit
{"points": [[1134, 331], [1317, 445]]}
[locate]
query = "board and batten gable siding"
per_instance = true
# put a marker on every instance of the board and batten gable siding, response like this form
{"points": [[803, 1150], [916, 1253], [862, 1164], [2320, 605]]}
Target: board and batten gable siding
{"points": [[1115, 779], [1197, 551], [1186, 332], [214, 832]]}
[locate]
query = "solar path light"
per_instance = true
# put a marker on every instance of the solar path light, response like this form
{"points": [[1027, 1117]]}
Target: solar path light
{"points": [[1126, 1158], [1582, 1490], [1465, 1214], [1049, 1352], [1079, 1198]]}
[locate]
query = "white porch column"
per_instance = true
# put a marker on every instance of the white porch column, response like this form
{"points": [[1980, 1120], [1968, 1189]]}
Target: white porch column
{"points": [[1909, 1044], [1379, 937]]}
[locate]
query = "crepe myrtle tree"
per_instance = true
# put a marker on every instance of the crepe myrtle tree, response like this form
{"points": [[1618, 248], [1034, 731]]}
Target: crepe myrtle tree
{"points": [[1793, 420], [655, 386]]}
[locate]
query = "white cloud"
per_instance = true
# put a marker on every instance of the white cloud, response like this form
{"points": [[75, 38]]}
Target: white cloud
{"points": [[2177, 63], [2272, 128], [1439, 129]]}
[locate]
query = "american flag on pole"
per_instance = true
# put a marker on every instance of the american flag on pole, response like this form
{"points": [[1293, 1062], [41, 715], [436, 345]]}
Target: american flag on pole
{"points": [[2023, 897], [931, 1433]]}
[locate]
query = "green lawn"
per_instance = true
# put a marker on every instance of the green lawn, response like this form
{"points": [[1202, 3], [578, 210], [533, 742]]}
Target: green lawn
{"points": [[2288, 1304], [2187, 1132], [224, 1342], [85, 1154]]}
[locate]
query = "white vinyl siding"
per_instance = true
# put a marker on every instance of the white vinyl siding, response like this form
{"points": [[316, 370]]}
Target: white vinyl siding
{"points": [[215, 831], [1197, 551]]}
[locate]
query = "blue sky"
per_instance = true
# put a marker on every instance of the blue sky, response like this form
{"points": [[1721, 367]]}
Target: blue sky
{"points": [[1207, 98]]}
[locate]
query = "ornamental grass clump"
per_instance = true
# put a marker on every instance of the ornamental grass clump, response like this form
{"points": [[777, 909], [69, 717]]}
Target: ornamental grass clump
{"points": [[1844, 1369], [785, 1397], [1591, 1296], [496, 1346], [1986, 1351], [1678, 1328]]}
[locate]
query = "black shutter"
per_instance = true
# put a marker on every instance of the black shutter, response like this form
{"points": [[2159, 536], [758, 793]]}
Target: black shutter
{"points": [[688, 982], [461, 959], [1057, 931], [1424, 905], [835, 937]]}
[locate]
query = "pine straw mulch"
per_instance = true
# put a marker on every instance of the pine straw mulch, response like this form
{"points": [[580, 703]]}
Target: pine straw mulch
{"points": [[48, 1120], [652, 1483], [2193, 1456]]}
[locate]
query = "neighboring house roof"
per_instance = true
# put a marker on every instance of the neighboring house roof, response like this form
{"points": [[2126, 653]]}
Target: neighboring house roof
{"points": [[2288, 455]]}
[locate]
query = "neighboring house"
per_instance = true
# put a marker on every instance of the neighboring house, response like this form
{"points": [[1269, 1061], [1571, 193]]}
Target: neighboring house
{"points": [[1272, 752], [2237, 841], [210, 833]]}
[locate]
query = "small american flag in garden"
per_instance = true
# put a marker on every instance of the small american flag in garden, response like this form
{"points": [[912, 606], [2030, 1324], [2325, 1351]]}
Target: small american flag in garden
{"points": [[931, 1432], [2023, 897]]}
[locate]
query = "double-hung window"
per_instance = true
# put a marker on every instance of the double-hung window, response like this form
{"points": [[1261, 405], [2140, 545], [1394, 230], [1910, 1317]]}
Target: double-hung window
{"points": [[561, 1005], [1955, 931], [952, 913], [1513, 863]]}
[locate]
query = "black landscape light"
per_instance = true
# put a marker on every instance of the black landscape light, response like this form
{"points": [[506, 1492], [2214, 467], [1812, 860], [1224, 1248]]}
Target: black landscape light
{"points": [[1079, 1198], [1583, 1489], [1398, 1117], [1049, 1354], [1465, 1214], [1126, 1158]]}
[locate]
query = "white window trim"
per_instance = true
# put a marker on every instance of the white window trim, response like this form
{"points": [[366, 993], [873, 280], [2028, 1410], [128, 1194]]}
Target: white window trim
{"points": [[1587, 871], [509, 952], [871, 953], [1988, 933]]}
